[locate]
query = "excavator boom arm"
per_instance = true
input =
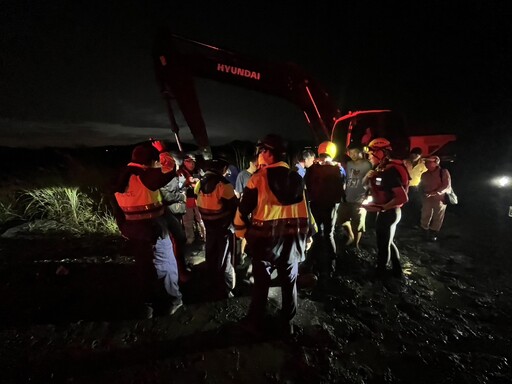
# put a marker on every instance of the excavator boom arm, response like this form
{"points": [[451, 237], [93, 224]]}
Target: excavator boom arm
{"points": [[177, 61]]}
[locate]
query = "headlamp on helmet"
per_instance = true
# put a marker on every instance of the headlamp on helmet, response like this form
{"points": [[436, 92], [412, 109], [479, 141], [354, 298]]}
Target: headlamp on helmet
{"points": [[378, 144]]}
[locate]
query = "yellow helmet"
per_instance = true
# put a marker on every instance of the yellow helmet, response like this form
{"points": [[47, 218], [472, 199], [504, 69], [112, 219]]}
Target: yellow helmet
{"points": [[327, 147]]}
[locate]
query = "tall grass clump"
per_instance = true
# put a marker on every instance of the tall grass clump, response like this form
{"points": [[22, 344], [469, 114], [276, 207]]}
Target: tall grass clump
{"points": [[73, 210], [8, 212]]}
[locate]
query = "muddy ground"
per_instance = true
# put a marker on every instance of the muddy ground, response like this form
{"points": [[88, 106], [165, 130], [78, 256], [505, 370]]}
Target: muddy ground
{"points": [[67, 317]]}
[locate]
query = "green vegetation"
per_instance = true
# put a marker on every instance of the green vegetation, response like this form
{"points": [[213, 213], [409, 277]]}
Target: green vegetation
{"points": [[8, 212], [61, 209]]}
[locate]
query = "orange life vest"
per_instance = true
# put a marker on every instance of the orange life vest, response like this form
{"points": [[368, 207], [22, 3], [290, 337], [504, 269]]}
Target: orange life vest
{"points": [[138, 202], [210, 203], [269, 211], [380, 193]]}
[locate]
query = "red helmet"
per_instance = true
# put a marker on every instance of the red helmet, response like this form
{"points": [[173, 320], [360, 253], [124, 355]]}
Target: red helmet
{"points": [[378, 143]]}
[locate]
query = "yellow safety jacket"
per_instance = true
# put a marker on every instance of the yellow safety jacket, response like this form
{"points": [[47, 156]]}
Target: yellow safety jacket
{"points": [[415, 172], [137, 201], [270, 215], [213, 191]]}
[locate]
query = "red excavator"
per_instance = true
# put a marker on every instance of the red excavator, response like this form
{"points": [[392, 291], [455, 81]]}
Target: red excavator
{"points": [[178, 60]]}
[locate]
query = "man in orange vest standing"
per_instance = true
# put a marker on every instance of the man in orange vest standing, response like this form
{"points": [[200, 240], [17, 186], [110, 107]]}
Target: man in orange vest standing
{"points": [[274, 218], [141, 220]]}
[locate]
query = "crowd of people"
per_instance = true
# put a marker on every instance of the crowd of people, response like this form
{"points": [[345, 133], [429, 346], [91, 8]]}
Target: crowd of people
{"points": [[280, 217]]}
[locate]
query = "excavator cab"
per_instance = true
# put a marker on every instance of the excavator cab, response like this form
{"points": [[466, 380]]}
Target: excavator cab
{"points": [[363, 126]]}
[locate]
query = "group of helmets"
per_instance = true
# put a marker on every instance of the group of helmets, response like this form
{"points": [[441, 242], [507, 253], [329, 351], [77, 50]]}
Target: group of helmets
{"points": [[329, 148]]}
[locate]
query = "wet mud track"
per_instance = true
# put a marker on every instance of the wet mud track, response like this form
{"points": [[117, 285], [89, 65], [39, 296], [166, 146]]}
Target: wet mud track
{"points": [[448, 321]]}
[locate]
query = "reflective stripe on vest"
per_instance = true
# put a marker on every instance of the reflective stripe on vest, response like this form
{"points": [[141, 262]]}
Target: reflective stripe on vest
{"points": [[283, 227], [138, 202], [269, 207], [269, 211], [207, 214], [210, 205]]}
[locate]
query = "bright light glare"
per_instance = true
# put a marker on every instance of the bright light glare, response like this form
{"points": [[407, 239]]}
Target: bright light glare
{"points": [[502, 181], [368, 200]]}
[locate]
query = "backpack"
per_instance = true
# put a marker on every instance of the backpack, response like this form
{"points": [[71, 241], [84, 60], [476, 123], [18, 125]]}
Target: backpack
{"points": [[450, 198]]}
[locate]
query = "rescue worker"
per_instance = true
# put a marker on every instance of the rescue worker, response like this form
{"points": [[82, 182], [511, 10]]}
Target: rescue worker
{"points": [[435, 183], [192, 216], [175, 202], [241, 182], [217, 203], [245, 175], [388, 183], [325, 191], [351, 215], [305, 160], [143, 223], [416, 167], [273, 217]]}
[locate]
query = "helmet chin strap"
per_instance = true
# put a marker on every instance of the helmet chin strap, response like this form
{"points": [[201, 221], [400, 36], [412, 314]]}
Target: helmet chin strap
{"points": [[381, 158]]}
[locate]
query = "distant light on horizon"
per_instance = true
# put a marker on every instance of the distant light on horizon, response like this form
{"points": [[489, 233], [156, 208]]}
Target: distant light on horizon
{"points": [[502, 181]]}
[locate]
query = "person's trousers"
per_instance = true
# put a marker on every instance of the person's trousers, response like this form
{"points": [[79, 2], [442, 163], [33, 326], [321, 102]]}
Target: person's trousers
{"points": [[387, 251], [191, 216], [287, 275], [156, 271], [411, 212], [323, 250], [179, 239], [166, 266], [432, 213], [219, 252]]}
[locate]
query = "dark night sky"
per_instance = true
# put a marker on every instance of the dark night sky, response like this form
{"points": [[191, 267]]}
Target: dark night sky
{"points": [[80, 73]]}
